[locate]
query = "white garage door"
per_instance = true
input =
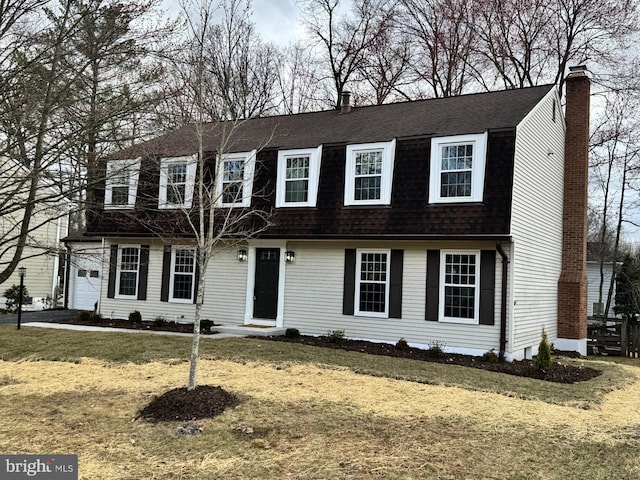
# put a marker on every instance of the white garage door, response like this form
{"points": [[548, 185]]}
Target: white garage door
{"points": [[86, 284]]}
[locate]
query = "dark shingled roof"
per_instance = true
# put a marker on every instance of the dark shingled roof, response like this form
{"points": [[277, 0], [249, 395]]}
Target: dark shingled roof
{"points": [[473, 113]]}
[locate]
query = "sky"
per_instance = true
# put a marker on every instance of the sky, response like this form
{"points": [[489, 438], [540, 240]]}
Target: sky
{"points": [[277, 21]]}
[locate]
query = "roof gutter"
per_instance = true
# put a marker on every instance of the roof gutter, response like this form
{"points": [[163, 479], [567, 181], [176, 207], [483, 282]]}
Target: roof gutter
{"points": [[503, 301]]}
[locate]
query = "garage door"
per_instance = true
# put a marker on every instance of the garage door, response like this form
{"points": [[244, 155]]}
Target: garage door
{"points": [[86, 286]]}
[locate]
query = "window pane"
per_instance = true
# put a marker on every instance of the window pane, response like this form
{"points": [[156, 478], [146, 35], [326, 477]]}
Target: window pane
{"points": [[175, 194], [460, 280], [233, 170], [297, 167], [128, 281], [129, 259], [372, 297], [120, 195], [367, 188], [232, 193], [182, 286], [177, 172], [296, 191]]}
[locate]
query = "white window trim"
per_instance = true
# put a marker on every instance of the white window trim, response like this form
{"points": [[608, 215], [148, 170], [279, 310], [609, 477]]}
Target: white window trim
{"points": [[249, 159], [388, 156], [191, 161], [118, 272], [356, 302], [479, 142], [315, 156], [113, 166], [173, 271], [476, 310]]}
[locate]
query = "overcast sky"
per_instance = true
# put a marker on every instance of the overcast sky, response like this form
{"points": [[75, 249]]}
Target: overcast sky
{"points": [[277, 21]]}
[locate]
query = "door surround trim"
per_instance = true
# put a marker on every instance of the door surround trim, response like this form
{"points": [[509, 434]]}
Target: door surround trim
{"points": [[251, 279]]}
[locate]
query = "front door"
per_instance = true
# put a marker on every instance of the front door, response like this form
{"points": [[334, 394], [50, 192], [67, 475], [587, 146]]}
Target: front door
{"points": [[265, 294]]}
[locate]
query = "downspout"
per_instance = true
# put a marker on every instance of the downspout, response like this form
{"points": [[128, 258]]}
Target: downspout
{"points": [[503, 301], [56, 264]]}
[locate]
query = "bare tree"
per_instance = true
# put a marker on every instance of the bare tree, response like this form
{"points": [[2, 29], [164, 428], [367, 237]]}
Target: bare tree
{"points": [[298, 78], [344, 38], [442, 36]]}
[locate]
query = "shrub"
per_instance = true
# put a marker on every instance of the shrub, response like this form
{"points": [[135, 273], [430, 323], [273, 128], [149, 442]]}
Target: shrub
{"points": [[159, 321], [435, 349], [402, 344], [335, 336], [205, 326], [96, 318], [543, 360], [85, 316], [135, 317], [490, 356], [12, 294], [292, 333]]}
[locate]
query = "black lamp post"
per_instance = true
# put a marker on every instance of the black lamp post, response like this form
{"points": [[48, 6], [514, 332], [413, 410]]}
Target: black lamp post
{"points": [[21, 272]]}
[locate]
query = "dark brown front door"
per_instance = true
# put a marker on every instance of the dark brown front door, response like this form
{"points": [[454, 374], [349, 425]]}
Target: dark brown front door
{"points": [[265, 294]]}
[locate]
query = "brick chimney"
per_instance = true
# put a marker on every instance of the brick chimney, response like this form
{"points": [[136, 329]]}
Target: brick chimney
{"points": [[572, 286]]}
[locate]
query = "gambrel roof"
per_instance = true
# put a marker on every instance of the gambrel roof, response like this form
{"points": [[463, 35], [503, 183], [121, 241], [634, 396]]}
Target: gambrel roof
{"points": [[473, 113]]}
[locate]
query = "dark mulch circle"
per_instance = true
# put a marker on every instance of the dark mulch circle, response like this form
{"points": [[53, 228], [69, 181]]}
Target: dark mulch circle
{"points": [[205, 401], [560, 372]]}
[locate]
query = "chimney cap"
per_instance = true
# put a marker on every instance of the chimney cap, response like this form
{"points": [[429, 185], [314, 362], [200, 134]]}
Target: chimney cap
{"points": [[578, 71], [345, 106]]}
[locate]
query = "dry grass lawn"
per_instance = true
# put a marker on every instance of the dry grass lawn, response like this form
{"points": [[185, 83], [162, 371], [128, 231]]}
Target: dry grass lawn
{"points": [[310, 422]]}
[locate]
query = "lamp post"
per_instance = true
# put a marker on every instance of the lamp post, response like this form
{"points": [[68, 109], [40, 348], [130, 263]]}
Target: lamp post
{"points": [[21, 272]]}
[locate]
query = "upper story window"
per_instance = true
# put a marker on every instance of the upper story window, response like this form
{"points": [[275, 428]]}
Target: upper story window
{"points": [[298, 172], [457, 168], [127, 272], [369, 173], [235, 179], [459, 276], [177, 178], [121, 184]]}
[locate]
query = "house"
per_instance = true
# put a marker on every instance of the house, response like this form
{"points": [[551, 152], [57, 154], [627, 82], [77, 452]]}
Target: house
{"points": [[458, 221], [600, 273], [41, 256]]}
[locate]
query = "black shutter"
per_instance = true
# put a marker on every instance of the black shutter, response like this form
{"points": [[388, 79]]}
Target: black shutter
{"points": [[166, 274], [433, 287], [196, 280], [395, 291], [487, 286], [113, 266], [349, 290], [143, 272]]}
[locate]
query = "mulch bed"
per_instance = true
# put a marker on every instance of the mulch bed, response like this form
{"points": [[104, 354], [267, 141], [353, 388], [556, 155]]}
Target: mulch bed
{"points": [[560, 372], [180, 404], [123, 323]]}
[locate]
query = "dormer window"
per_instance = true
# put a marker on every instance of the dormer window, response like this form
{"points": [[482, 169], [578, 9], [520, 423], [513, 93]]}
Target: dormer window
{"points": [[177, 178], [235, 179], [298, 172], [368, 174], [121, 184], [457, 168]]}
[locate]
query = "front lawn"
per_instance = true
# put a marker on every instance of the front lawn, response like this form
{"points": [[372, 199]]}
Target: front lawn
{"points": [[307, 413]]}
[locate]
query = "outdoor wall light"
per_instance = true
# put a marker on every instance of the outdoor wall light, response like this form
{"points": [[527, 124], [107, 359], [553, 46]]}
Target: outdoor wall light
{"points": [[242, 255], [289, 256]]}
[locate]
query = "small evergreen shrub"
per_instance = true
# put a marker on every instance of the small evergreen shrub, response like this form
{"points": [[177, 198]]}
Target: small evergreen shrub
{"points": [[292, 333], [96, 318], [85, 316], [435, 350], [490, 356], [335, 336], [159, 321], [12, 294], [135, 317], [402, 344], [543, 360], [205, 326]]}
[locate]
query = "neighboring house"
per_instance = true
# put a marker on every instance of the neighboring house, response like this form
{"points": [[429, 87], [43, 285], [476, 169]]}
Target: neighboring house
{"points": [[441, 220], [594, 278], [47, 225]]}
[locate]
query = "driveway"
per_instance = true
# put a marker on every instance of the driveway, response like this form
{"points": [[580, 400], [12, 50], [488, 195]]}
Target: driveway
{"points": [[41, 316]]}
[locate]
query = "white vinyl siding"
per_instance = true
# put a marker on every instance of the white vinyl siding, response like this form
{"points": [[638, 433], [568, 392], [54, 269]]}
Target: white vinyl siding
{"points": [[536, 225], [226, 306], [313, 301]]}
